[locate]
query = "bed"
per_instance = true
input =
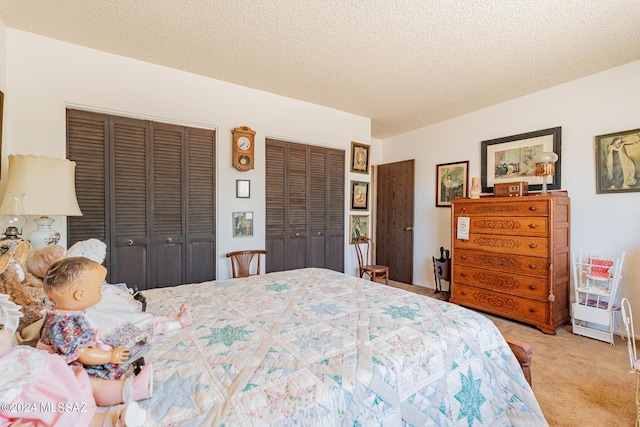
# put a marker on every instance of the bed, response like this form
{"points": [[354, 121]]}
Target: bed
{"points": [[314, 347]]}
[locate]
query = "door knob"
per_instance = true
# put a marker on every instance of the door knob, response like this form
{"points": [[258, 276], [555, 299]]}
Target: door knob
{"points": [[408, 228], [129, 242], [169, 240]]}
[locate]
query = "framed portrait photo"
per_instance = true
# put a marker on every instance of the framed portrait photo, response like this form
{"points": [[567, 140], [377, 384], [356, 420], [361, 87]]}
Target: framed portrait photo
{"points": [[359, 158], [510, 159], [242, 224], [359, 195], [618, 162], [358, 226], [451, 182]]}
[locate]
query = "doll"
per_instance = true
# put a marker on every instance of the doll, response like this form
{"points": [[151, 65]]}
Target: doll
{"points": [[39, 388], [72, 285], [119, 315]]}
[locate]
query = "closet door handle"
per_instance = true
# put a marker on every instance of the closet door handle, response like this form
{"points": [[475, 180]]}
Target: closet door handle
{"points": [[297, 234], [169, 240], [129, 242]]}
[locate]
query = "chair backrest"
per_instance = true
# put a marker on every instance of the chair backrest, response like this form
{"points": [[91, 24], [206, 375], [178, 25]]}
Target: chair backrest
{"points": [[442, 265], [594, 273], [241, 262], [365, 249]]}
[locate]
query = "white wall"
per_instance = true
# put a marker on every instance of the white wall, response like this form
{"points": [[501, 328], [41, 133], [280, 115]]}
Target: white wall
{"points": [[45, 76], [595, 105]]}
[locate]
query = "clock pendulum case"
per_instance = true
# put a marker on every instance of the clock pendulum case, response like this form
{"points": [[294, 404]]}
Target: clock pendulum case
{"points": [[243, 146]]}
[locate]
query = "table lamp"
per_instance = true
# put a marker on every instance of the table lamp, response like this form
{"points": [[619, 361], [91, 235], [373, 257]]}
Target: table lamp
{"points": [[545, 166], [49, 188]]}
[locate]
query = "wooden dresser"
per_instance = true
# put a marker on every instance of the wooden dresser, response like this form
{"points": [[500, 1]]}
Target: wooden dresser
{"points": [[516, 261]]}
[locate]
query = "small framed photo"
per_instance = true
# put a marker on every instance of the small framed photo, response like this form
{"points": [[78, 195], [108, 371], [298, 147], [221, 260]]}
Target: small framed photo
{"points": [[359, 158], [359, 195], [358, 226], [243, 188], [618, 162], [451, 182], [242, 224]]}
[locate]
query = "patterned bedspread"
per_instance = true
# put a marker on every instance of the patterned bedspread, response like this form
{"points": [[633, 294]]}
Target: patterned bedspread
{"points": [[313, 347]]}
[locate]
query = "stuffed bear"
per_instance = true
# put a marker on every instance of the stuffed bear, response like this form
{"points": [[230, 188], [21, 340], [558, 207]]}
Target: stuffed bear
{"points": [[23, 288]]}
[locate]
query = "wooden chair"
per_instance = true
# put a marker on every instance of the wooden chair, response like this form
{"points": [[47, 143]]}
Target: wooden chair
{"points": [[241, 262], [365, 249]]}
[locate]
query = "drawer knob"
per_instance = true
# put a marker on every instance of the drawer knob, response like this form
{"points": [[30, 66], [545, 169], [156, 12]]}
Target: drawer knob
{"points": [[533, 225], [463, 257], [463, 274], [532, 310], [532, 266], [532, 208], [463, 293], [533, 245], [532, 287]]}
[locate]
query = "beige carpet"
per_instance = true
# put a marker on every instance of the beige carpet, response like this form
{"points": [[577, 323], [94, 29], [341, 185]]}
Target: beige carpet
{"points": [[578, 381]]}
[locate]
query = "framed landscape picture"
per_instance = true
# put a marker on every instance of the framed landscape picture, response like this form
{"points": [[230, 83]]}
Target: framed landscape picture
{"points": [[510, 159]]}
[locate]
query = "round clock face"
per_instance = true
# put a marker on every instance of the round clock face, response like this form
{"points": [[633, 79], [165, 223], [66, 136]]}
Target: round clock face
{"points": [[244, 143]]}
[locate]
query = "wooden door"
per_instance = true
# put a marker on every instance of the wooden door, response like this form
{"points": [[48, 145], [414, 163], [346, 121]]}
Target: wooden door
{"points": [[394, 219]]}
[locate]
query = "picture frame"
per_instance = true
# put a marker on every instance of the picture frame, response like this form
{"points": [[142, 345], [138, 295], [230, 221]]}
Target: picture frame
{"points": [[452, 180], [358, 226], [618, 162], [510, 159], [360, 157], [242, 224], [359, 195], [243, 188]]}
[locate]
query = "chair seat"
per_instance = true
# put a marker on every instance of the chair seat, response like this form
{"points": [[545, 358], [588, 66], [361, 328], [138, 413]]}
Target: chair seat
{"points": [[376, 268]]}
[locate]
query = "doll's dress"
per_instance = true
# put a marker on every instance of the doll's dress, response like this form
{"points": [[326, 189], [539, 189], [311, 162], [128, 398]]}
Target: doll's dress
{"points": [[119, 318], [67, 333], [43, 380]]}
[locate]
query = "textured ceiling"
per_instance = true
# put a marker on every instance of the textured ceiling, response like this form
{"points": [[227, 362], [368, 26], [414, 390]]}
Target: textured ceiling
{"points": [[403, 63]]}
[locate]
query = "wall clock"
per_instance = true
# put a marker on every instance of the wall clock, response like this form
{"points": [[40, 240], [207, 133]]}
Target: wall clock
{"points": [[243, 147]]}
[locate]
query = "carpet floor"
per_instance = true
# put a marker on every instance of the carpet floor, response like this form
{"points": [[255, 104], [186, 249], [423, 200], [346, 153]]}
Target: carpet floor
{"points": [[578, 381]]}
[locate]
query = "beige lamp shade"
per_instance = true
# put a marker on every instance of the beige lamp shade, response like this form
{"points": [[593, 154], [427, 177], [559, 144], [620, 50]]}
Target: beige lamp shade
{"points": [[48, 185]]}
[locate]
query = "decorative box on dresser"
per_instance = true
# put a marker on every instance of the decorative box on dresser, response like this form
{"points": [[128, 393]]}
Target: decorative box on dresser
{"points": [[516, 261]]}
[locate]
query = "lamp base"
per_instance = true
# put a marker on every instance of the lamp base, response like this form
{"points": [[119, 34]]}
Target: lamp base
{"points": [[44, 235]]}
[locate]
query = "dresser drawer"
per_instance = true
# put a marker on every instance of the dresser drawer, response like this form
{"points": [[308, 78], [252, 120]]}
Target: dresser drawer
{"points": [[517, 264], [498, 206], [498, 303], [509, 283], [522, 226], [519, 245]]}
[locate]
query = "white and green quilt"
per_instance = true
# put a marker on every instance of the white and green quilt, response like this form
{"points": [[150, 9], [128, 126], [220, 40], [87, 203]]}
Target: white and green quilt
{"points": [[314, 347]]}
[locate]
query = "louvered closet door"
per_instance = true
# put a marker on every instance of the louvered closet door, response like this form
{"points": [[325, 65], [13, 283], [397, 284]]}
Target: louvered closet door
{"points": [[201, 201], [156, 209], [167, 205], [305, 206]]}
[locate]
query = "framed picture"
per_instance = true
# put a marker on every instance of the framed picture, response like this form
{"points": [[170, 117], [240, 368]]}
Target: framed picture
{"points": [[242, 224], [510, 159], [618, 162], [358, 226], [359, 195], [359, 158], [243, 188], [451, 182]]}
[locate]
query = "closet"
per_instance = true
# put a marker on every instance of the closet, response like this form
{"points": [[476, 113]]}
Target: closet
{"points": [[305, 206], [147, 190]]}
